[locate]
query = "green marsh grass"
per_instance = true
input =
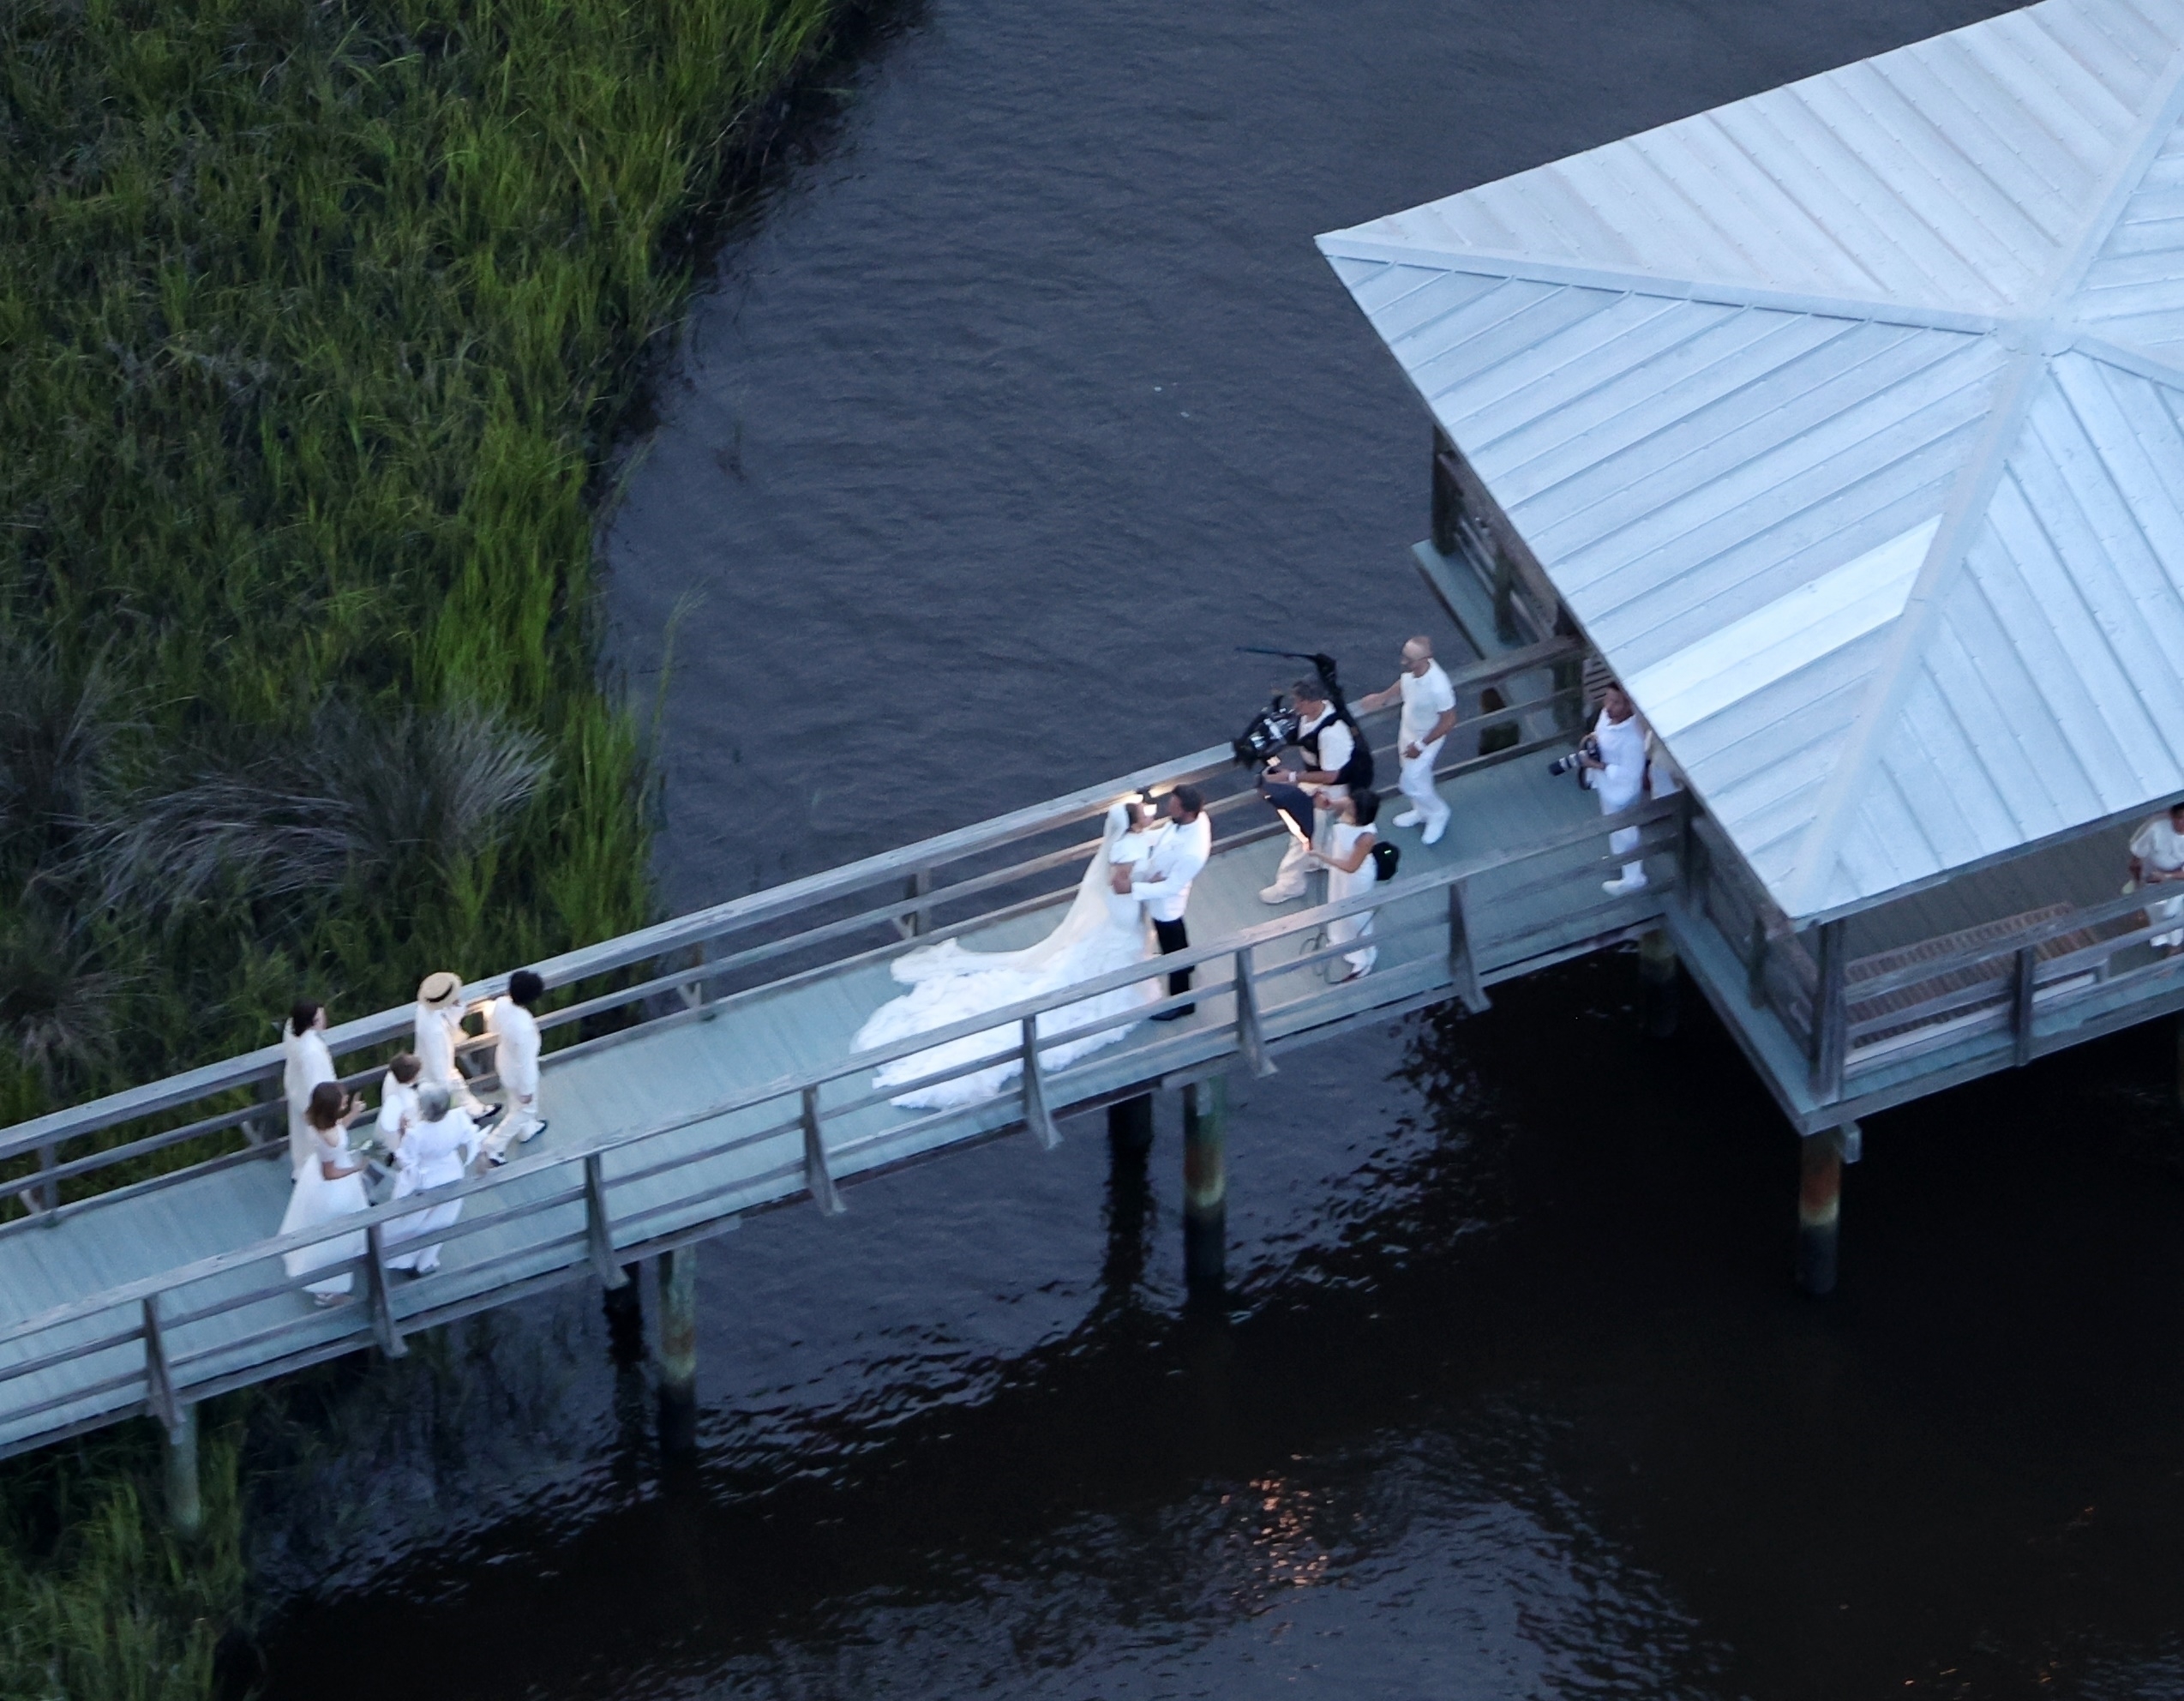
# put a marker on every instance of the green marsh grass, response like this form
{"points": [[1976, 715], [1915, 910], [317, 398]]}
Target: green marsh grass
{"points": [[319, 317]]}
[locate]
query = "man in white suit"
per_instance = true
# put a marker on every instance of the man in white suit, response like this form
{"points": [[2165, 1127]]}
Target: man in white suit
{"points": [[1163, 881]]}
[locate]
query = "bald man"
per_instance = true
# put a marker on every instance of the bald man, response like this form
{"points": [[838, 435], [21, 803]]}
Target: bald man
{"points": [[1429, 716]]}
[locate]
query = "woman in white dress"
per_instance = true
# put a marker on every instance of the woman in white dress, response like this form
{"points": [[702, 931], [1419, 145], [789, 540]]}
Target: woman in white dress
{"points": [[305, 1064], [2157, 859], [1351, 870], [1104, 931], [327, 1184], [436, 1149]]}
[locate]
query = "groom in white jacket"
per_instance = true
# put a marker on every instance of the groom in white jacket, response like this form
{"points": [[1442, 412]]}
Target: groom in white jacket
{"points": [[1163, 881]]}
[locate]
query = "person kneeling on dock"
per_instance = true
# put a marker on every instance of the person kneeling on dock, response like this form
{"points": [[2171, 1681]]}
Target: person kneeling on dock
{"points": [[435, 1153]]}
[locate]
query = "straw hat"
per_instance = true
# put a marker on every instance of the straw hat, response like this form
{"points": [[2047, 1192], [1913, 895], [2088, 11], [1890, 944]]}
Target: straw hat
{"points": [[439, 990]]}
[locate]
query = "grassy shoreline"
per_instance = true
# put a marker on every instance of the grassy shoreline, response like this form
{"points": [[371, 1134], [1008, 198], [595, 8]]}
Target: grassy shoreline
{"points": [[321, 320]]}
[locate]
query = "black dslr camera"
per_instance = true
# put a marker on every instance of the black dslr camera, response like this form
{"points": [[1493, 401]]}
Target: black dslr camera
{"points": [[1574, 762], [1275, 728]]}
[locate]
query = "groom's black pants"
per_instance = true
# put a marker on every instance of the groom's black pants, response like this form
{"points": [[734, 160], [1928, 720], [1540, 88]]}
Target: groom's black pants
{"points": [[1173, 936]]}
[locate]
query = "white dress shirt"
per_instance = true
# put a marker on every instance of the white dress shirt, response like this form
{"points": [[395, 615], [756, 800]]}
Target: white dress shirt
{"points": [[516, 1051], [1176, 857]]}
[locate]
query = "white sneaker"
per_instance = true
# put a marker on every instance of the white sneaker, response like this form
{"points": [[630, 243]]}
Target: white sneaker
{"points": [[1433, 833], [1409, 818], [1621, 887], [532, 1132], [1275, 894]]}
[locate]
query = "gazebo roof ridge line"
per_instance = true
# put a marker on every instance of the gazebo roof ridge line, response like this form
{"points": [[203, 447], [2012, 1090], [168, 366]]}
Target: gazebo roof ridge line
{"points": [[1894, 677], [1583, 332]]}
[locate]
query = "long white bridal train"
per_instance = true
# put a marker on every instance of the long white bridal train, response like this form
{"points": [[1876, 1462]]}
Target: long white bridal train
{"points": [[1102, 932]]}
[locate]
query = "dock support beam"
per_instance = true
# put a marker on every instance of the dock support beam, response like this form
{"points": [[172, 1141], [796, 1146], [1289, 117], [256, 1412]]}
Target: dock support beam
{"points": [[1819, 1209], [185, 1496], [1657, 990], [1129, 1126], [679, 1350], [1205, 1187]]}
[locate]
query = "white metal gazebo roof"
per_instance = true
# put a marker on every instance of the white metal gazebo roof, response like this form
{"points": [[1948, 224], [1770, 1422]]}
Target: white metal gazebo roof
{"points": [[1845, 419]]}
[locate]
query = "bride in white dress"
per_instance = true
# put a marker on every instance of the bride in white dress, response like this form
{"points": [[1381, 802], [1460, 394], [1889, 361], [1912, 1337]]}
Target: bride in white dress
{"points": [[1104, 931]]}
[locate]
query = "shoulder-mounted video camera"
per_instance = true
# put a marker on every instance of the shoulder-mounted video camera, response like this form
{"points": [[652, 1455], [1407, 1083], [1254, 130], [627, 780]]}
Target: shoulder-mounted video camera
{"points": [[1275, 727]]}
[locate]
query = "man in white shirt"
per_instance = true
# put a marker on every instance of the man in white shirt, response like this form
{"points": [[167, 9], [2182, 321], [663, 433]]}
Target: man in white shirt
{"points": [[1163, 881], [2157, 859], [1617, 775], [1429, 716], [514, 1028], [1324, 737]]}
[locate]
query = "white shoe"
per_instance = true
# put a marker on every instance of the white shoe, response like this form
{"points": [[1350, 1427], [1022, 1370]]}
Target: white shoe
{"points": [[1433, 833], [1409, 818], [532, 1132], [1275, 894], [1622, 887]]}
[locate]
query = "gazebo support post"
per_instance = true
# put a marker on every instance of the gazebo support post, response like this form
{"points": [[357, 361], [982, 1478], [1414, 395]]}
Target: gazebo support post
{"points": [[1657, 990], [1205, 1187], [678, 1351], [1819, 1209]]}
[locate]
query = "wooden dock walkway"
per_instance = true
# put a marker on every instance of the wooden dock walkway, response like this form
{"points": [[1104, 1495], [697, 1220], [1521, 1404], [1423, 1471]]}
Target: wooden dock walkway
{"points": [[735, 1089], [711, 1074]]}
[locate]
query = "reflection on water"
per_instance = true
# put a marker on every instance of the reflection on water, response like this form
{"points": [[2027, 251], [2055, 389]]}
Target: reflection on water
{"points": [[1020, 407], [1513, 1399]]}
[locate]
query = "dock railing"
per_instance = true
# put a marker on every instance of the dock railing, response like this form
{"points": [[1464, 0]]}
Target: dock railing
{"points": [[230, 1112], [2038, 977], [159, 1344]]}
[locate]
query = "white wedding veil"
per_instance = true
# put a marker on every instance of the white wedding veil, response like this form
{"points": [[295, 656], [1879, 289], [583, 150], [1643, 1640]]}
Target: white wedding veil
{"points": [[1088, 914]]}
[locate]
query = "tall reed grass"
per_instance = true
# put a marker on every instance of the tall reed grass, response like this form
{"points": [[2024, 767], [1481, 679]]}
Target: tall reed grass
{"points": [[318, 316]]}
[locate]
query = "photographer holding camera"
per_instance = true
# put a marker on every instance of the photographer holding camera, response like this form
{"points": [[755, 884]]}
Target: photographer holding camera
{"points": [[1614, 762], [1334, 761]]}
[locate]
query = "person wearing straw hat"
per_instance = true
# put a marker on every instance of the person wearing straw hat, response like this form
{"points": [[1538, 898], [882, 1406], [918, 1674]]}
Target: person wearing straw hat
{"points": [[439, 1033]]}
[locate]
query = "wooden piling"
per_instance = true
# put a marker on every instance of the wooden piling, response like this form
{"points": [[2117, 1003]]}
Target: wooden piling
{"points": [[678, 1350], [1819, 1209], [1129, 1126], [625, 1309], [1658, 1001], [1205, 1187], [185, 1496]]}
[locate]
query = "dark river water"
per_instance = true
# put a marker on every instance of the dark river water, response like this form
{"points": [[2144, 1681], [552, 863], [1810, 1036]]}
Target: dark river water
{"points": [[1021, 402]]}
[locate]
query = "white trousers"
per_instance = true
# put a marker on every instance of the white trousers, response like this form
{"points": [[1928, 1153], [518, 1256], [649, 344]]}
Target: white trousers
{"points": [[2168, 909], [1624, 840], [1289, 878], [1343, 929], [521, 1121], [1416, 783]]}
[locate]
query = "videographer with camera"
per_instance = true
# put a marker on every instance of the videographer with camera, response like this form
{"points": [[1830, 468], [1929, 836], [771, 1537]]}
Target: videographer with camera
{"points": [[1614, 762], [1331, 748]]}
